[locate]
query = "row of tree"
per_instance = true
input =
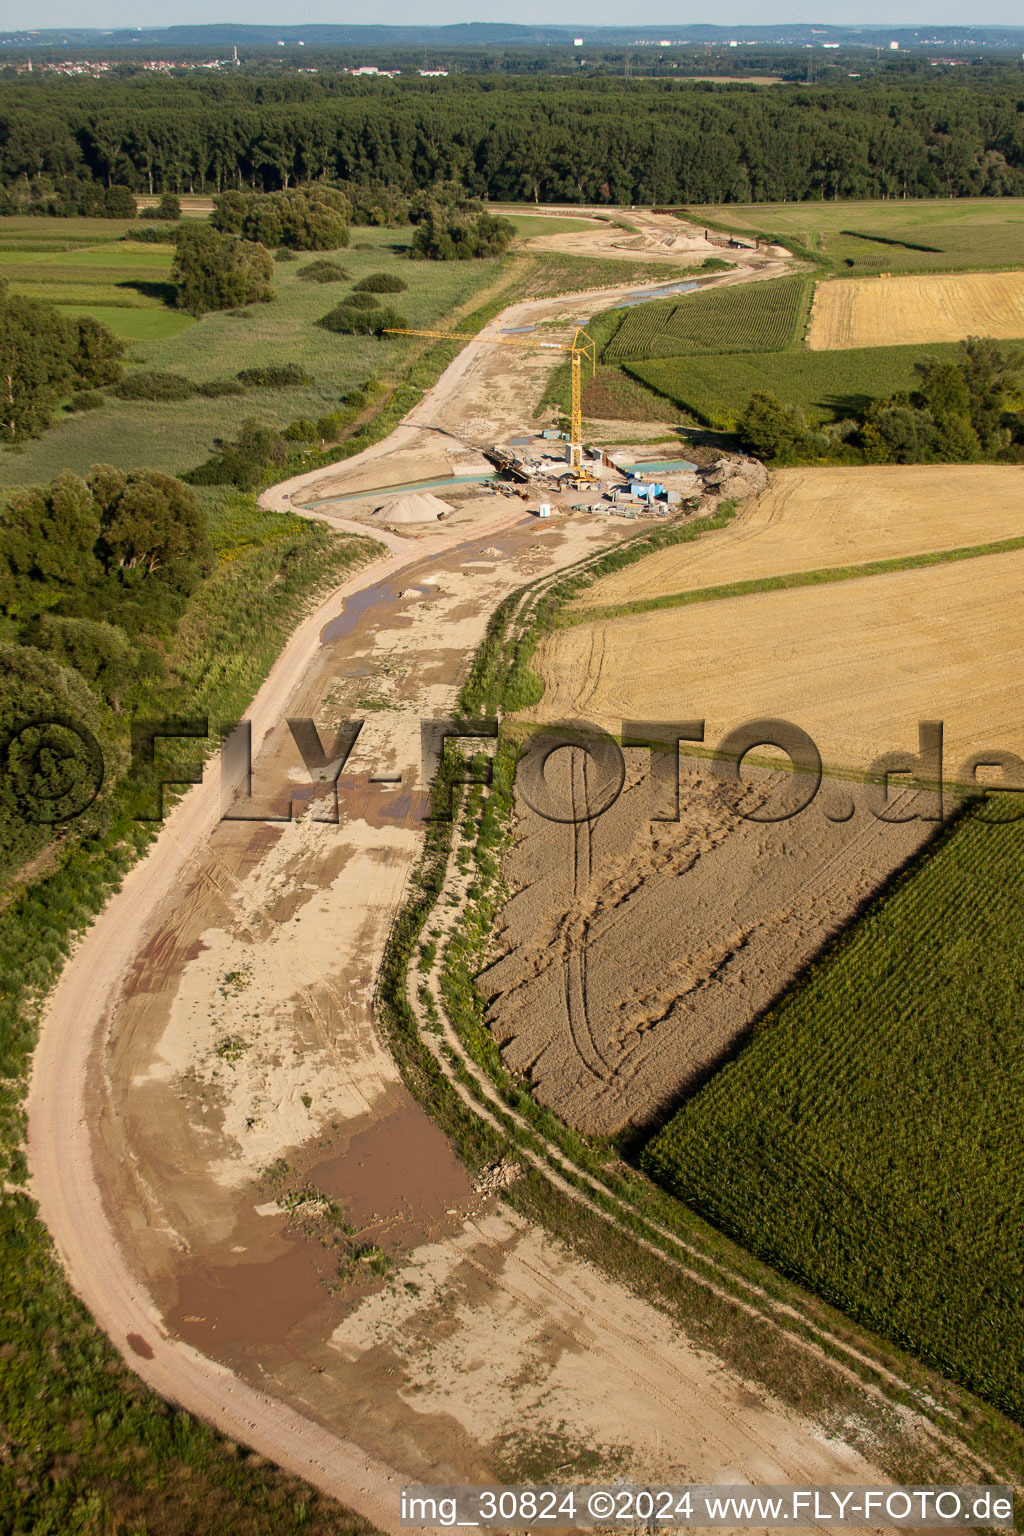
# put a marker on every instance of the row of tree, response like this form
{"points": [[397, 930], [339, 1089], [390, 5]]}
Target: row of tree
{"points": [[619, 141], [961, 413]]}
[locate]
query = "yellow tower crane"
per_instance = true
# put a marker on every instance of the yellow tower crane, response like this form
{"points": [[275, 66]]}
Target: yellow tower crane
{"points": [[582, 346]]}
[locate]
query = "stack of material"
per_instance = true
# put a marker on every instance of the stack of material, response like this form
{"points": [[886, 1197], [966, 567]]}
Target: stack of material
{"points": [[416, 508]]}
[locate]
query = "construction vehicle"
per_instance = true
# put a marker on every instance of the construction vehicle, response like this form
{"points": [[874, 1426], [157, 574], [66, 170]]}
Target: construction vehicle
{"points": [[582, 346]]}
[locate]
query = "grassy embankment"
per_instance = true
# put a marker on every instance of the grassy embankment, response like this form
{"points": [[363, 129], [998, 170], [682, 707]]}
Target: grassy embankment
{"points": [[751, 1317]]}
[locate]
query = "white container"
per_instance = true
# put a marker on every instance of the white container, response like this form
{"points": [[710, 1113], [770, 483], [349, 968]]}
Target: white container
{"points": [[544, 510]]}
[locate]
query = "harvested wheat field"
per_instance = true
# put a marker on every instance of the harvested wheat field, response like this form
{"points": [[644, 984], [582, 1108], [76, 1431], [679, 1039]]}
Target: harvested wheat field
{"points": [[855, 663], [808, 519], [898, 311]]}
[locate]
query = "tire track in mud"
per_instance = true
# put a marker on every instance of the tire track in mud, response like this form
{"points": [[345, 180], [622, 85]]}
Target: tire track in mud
{"points": [[834, 877], [574, 964]]}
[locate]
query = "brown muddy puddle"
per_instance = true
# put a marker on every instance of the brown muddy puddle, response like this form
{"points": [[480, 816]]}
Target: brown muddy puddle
{"points": [[381, 800], [399, 1184], [386, 597], [398, 1180], [223, 1306]]}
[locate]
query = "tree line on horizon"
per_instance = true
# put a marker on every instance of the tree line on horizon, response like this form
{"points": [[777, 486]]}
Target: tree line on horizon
{"points": [[548, 139]]}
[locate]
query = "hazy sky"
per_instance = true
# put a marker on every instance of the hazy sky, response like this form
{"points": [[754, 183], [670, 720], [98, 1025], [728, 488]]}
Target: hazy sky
{"points": [[149, 13]]}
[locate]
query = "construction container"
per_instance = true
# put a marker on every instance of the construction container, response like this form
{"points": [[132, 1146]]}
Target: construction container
{"points": [[673, 498], [549, 433], [544, 510]]}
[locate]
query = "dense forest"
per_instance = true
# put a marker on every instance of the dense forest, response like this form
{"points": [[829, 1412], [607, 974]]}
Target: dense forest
{"points": [[619, 141]]}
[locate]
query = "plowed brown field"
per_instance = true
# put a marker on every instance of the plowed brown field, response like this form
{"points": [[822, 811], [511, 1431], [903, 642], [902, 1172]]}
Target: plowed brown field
{"points": [[898, 311]]}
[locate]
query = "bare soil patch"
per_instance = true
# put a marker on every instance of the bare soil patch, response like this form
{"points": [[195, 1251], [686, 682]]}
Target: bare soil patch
{"points": [[634, 953]]}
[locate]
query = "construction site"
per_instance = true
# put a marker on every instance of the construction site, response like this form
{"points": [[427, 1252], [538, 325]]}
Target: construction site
{"points": [[553, 471]]}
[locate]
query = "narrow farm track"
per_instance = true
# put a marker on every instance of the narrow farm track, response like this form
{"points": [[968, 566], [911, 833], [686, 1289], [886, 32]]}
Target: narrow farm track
{"points": [[65, 1132]]}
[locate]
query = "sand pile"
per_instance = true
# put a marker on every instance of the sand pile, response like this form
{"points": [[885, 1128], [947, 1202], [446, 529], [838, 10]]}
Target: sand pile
{"points": [[735, 477], [412, 509]]}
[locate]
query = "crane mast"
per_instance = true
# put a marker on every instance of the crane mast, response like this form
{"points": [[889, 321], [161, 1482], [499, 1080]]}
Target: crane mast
{"points": [[582, 346]]}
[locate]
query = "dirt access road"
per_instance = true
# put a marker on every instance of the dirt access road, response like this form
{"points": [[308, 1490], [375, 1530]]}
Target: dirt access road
{"points": [[210, 1079]]}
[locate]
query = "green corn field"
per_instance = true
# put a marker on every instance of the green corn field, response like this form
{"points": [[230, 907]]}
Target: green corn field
{"points": [[753, 317], [866, 1140]]}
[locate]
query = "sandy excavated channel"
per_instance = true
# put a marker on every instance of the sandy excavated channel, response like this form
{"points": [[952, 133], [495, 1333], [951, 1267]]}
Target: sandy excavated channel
{"points": [[240, 1067], [210, 1075]]}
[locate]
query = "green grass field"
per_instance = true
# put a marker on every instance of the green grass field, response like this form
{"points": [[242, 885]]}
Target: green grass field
{"points": [[29, 234], [753, 317], [709, 351], [866, 1140], [135, 324], [86, 273], [928, 235], [528, 224], [826, 385], [177, 436]]}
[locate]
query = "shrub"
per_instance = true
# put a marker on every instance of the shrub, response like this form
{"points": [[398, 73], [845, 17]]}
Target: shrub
{"points": [[85, 400], [214, 271], [118, 203], [306, 219], [356, 398], [147, 235], [284, 254], [381, 282], [151, 384], [362, 301], [214, 388], [274, 376], [348, 321], [323, 272], [445, 235], [244, 461], [302, 431], [329, 426], [169, 207]]}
